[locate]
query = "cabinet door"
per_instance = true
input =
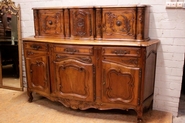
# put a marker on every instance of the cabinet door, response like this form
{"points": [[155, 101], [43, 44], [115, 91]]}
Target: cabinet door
{"points": [[49, 22], [120, 83], [74, 79], [81, 23], [37, 74], [119, 23]]}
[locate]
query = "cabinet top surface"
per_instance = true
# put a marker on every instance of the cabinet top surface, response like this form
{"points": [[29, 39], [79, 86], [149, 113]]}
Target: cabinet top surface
{"points": [[112, 6], [93, 42]]}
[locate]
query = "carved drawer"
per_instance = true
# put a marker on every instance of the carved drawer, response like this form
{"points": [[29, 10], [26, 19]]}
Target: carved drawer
{"points": [[71, 49], [49, 22], [36, 46], [121, 51], [82, 23], [35, 49]]}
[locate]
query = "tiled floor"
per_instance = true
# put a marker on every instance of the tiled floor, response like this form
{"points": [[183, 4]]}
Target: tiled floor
{"points": [[181, 114]]}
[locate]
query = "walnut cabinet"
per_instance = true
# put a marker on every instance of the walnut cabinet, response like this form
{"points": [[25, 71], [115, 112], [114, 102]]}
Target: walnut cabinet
{"points": [[92, 57]]}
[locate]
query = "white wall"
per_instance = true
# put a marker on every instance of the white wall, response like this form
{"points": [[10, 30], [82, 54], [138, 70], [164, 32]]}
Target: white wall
{"points": [[168, 25]]}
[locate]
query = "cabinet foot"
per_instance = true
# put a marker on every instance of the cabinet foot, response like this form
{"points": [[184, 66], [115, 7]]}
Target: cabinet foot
{"points": [[30, 96]]}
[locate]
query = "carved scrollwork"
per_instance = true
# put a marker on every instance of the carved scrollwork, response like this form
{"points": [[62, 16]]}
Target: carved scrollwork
{"points": [[58, 56], [82, 105], [79, 23], [7, 6], [119, 24], [130, 61]]}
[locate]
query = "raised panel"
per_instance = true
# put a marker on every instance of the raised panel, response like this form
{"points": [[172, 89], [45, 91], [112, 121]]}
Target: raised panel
{"points": [[35, 66], [74, 79], [82, 21], [120, 84], [119, 23], [51, 22]]}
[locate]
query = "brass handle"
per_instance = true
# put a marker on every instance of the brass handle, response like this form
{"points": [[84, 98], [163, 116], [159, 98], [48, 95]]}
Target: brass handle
{"points": [[121, 52], [35, 47], [70, 51]]}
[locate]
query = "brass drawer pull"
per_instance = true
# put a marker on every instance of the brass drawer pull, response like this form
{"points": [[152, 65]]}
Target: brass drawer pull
{"points": [[71, 51], [121, 52], [35, 47]]}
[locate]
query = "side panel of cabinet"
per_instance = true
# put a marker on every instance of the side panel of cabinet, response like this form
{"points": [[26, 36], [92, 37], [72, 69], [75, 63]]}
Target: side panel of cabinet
{"points": [[120, 84], [73, 77], [37, 74]]}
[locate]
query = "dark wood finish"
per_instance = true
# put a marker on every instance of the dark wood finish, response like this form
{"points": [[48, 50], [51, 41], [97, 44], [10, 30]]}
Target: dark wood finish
{"points": [[106, 74]]}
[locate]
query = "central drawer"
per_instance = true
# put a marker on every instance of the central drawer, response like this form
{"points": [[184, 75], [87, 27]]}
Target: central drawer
{"points": [[69, 49]]}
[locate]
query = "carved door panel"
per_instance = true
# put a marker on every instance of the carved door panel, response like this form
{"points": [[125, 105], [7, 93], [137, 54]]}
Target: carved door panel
{"points": [[37, 74], [74, 79], [81, 23], [120, 84], [50, 22], [119, 23]]}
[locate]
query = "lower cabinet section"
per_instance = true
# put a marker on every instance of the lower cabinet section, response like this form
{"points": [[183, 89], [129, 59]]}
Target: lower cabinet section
{"points": [[92, 76]]}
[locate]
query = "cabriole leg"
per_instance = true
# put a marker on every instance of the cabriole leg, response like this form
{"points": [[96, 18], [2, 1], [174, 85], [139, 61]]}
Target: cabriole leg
{"points": [[29, 93]]}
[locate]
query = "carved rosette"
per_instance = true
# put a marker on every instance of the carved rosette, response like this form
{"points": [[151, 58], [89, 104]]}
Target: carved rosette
{"points": [[52, 23]]}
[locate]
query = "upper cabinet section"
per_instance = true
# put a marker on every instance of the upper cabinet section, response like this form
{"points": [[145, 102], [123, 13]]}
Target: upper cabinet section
{"points": [[128, 23]]}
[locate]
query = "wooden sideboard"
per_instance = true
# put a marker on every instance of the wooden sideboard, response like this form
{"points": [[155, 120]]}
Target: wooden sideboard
{"points": [[92, 57]]}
